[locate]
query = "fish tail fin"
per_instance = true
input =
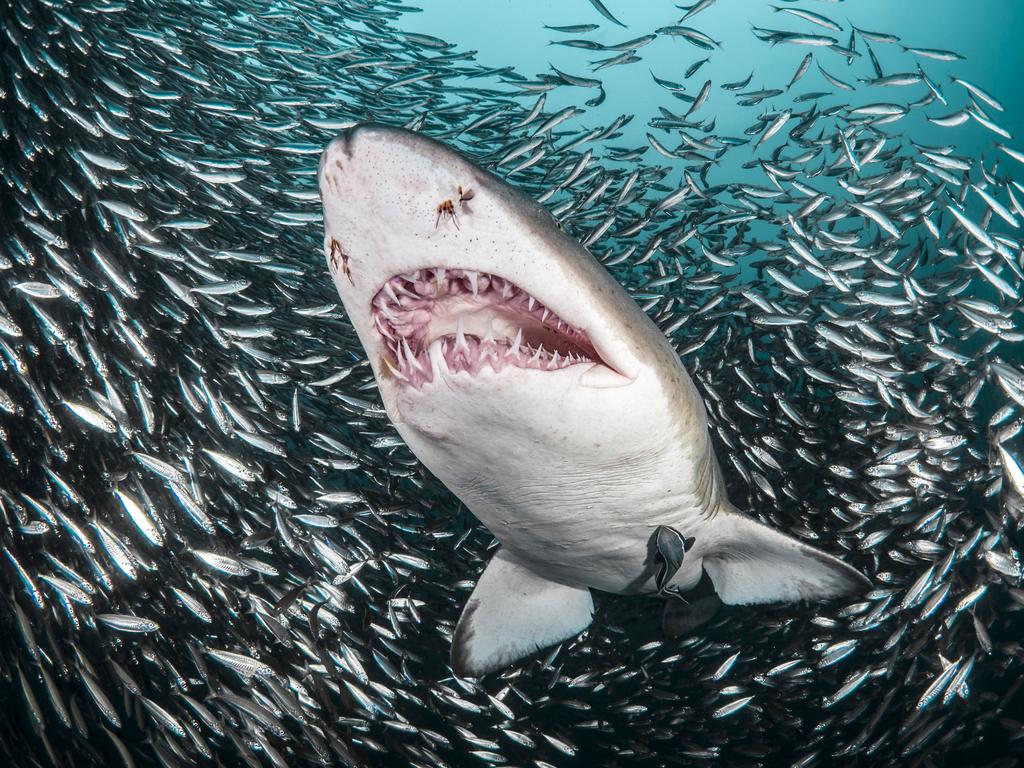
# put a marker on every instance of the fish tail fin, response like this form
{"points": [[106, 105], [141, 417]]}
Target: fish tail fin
{"points": [[751, 563]]}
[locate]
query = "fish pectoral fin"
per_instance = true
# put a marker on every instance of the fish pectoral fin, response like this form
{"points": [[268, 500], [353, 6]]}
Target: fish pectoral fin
{"points": [[670, 547], [751, 563], [512, 613]]}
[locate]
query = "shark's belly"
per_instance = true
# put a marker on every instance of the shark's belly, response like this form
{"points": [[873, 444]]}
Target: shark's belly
{"points": [[592, 529], [570, 481], [609, 552]]}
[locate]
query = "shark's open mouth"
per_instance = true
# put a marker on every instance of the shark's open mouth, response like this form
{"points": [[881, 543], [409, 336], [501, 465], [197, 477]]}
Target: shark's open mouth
{"points": [[470, 319]]}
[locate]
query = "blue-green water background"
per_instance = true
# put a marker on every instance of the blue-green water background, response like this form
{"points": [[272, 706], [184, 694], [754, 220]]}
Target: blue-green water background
{"points": [[512, 33]]}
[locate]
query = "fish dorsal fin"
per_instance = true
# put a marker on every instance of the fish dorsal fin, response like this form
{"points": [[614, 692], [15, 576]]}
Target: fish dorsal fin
{"points": [[752, 563], [512, 613]]}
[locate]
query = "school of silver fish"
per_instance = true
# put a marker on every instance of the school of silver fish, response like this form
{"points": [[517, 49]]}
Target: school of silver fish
{"points": [[217, 551]]}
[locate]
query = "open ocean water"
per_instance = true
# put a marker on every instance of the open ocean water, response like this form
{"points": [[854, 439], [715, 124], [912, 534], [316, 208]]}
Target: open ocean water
{"points": [[216, 550]]}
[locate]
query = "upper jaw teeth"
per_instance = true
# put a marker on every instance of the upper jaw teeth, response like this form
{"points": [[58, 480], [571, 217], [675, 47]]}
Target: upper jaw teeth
{"points": [[411, 312], [460, 335]]}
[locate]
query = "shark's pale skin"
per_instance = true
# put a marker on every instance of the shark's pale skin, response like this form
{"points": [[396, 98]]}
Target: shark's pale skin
{"points": [[572, 455]]}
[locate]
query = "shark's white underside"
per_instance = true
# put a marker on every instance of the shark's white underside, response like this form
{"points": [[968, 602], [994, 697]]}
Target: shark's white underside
{"points": [[571, 463]]}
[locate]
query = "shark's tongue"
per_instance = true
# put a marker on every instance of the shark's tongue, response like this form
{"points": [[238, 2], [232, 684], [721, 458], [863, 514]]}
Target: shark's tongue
{"points": [[470, 319]]}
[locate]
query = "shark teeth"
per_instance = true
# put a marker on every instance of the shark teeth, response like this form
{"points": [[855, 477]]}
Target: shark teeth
{"points": [[496, 325], [473, 353]]}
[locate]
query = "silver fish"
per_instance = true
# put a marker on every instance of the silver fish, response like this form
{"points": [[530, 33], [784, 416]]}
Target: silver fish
{"points": [[178, 382]]}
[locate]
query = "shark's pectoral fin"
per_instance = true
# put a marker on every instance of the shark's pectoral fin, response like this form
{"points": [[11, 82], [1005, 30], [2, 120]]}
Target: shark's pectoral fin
{"points": [[512, 613], [751, 563]]}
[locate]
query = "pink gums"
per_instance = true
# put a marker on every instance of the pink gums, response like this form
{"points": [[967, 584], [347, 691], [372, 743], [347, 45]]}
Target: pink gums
{"points": [[409, 306]]}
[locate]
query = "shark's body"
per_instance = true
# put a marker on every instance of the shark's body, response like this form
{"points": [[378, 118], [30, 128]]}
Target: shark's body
{"points": [[572, 462]]}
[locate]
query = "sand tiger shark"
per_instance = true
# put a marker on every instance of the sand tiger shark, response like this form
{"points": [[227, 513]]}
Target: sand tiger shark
{"points": [[526, 379]]}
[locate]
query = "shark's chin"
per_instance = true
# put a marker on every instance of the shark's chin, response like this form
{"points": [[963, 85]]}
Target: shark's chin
{"points": [[460, 321], [462, 413], [504, 389]]}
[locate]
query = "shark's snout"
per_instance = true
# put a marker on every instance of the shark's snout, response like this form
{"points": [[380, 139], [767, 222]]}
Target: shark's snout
{"points": [[336, 160], [344, 140], [381, 152], [400, 208], [343, 145], [333, 161]]}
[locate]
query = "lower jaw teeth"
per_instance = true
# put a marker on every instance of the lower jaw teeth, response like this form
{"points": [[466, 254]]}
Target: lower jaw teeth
{"points": [[470, 354]]}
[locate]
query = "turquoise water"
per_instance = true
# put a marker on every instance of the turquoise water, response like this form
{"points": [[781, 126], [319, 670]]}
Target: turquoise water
{"points": [[512, 33]]}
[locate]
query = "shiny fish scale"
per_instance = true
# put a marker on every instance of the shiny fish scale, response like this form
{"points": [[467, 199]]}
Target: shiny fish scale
{"points": [[168, 338]]}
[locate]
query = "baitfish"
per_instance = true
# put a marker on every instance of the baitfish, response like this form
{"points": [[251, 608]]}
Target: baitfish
{"points": [[231, 483], [527, 380]]}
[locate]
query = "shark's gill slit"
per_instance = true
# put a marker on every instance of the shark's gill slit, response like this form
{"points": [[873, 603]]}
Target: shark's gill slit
{"points": [[470, 319]]}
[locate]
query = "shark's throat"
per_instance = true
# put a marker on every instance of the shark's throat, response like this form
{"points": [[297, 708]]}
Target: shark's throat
{"points": [[470, 320]]}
